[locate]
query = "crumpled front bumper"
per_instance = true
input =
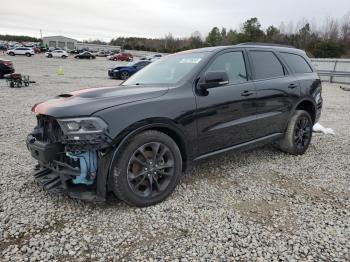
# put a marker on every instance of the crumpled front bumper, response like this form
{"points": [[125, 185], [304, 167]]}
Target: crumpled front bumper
{"points": [[55, 172]]}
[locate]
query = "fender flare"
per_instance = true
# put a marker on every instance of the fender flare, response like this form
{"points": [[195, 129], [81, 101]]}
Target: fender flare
{"points": [[128, 133], [292, 112], [314, 106]]}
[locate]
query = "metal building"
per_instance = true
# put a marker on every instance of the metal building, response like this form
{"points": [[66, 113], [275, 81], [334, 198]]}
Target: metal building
{"points": [[60, 42], [72, 44]]}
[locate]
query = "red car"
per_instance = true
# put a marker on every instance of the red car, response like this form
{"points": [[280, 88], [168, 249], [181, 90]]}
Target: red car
{"points": [[122, 57]]}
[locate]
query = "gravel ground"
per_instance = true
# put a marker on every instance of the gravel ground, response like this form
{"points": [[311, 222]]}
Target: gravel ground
{"points": [[260, 205]]}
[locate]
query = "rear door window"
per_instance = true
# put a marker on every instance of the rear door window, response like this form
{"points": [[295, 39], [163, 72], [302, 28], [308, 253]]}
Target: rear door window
{"points": [[297, 63], [266, 65]]}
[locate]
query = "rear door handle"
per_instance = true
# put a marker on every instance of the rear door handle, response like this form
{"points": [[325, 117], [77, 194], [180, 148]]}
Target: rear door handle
{"points": [[247, 93], [293, 85]]}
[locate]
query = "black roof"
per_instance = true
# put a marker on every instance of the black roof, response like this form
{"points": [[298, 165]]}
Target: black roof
{"points": [[248, 45]]}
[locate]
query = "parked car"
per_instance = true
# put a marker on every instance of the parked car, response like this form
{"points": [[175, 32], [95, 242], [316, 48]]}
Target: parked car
{"points": [[136, 139], [6, 67], [53, 49], [122, 57], [21, 51], [124, 72], [151, 57], [85, 55], [102, 54], [57, 53], [37, 50], [3, 47]]}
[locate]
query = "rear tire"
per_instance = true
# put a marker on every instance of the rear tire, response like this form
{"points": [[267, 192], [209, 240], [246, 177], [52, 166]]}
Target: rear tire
{"points": [[49, 56], [28, 55], [64, 57], [147, 169], [298, 136], [12, 54]]}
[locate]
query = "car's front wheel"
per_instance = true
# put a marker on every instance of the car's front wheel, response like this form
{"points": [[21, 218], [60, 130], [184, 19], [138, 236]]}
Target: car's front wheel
{"points": [[147, 169], [124, 75], [28, 55], [298, 136], [12, 54]]}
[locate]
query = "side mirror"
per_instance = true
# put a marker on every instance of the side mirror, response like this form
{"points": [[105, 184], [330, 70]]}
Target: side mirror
{"points": [[214, 79]]}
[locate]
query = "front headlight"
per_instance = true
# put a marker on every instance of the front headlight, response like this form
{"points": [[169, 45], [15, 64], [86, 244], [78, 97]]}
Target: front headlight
{"points": [[82, 125]]}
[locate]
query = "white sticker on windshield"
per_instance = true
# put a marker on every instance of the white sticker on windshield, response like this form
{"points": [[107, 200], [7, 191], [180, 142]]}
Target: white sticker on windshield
{"points": [[190, 60]]}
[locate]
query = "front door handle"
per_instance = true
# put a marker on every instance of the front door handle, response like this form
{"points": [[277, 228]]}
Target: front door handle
{"points": [[247, 93], [293, 85]]}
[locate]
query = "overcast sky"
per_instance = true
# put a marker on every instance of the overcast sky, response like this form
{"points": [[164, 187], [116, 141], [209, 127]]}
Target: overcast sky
{"points": [[106, 19]]}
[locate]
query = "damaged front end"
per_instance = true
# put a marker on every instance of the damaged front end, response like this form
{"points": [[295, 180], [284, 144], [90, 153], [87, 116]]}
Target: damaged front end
{"points": [[72, 156]]}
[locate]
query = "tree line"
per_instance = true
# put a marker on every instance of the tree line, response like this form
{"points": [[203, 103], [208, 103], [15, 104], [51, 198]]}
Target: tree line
{"points": [[19, 38], [330, 41]]}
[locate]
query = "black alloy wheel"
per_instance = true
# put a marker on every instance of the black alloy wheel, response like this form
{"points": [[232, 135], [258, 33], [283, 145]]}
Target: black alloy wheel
{"points": [[150, 169], [298, 135], [302, 133], [147, 169]]}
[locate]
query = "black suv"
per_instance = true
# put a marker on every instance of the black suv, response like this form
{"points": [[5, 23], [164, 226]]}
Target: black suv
{"points": [[136, 139]]}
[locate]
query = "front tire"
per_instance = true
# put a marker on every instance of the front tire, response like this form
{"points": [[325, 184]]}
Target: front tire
{"points": [[298, 136], [124, 75], [147, 169], [12, 54], [28, 55]]}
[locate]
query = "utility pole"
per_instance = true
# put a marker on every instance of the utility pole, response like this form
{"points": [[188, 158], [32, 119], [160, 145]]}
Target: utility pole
{"points": [[41, 35]]}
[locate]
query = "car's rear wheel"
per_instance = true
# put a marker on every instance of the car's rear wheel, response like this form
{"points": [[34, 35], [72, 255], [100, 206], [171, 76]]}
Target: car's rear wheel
{"points": [[124, 75], [49, 56], [12, 54], [64, 56], [28, 54], [147, 170], [298, 136]]}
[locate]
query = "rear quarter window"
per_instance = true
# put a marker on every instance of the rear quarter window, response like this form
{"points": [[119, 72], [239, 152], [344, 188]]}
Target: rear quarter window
{"points": [[297, 63]]}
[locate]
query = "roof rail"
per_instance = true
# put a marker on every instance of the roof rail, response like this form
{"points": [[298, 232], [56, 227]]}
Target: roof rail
{"points": [[266, 44]]}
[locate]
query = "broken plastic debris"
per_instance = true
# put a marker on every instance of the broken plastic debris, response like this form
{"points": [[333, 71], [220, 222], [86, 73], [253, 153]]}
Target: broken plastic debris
{"points": [[321, 129]]}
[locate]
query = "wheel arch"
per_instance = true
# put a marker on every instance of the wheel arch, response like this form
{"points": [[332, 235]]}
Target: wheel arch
{"points": [[165, 126], [308, 106]]}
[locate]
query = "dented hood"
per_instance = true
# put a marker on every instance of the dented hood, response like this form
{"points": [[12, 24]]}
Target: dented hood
{"points": [[86, 102]]}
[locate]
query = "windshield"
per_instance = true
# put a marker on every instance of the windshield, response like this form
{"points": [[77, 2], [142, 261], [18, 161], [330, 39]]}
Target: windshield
{"points": [[168, 70]]}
